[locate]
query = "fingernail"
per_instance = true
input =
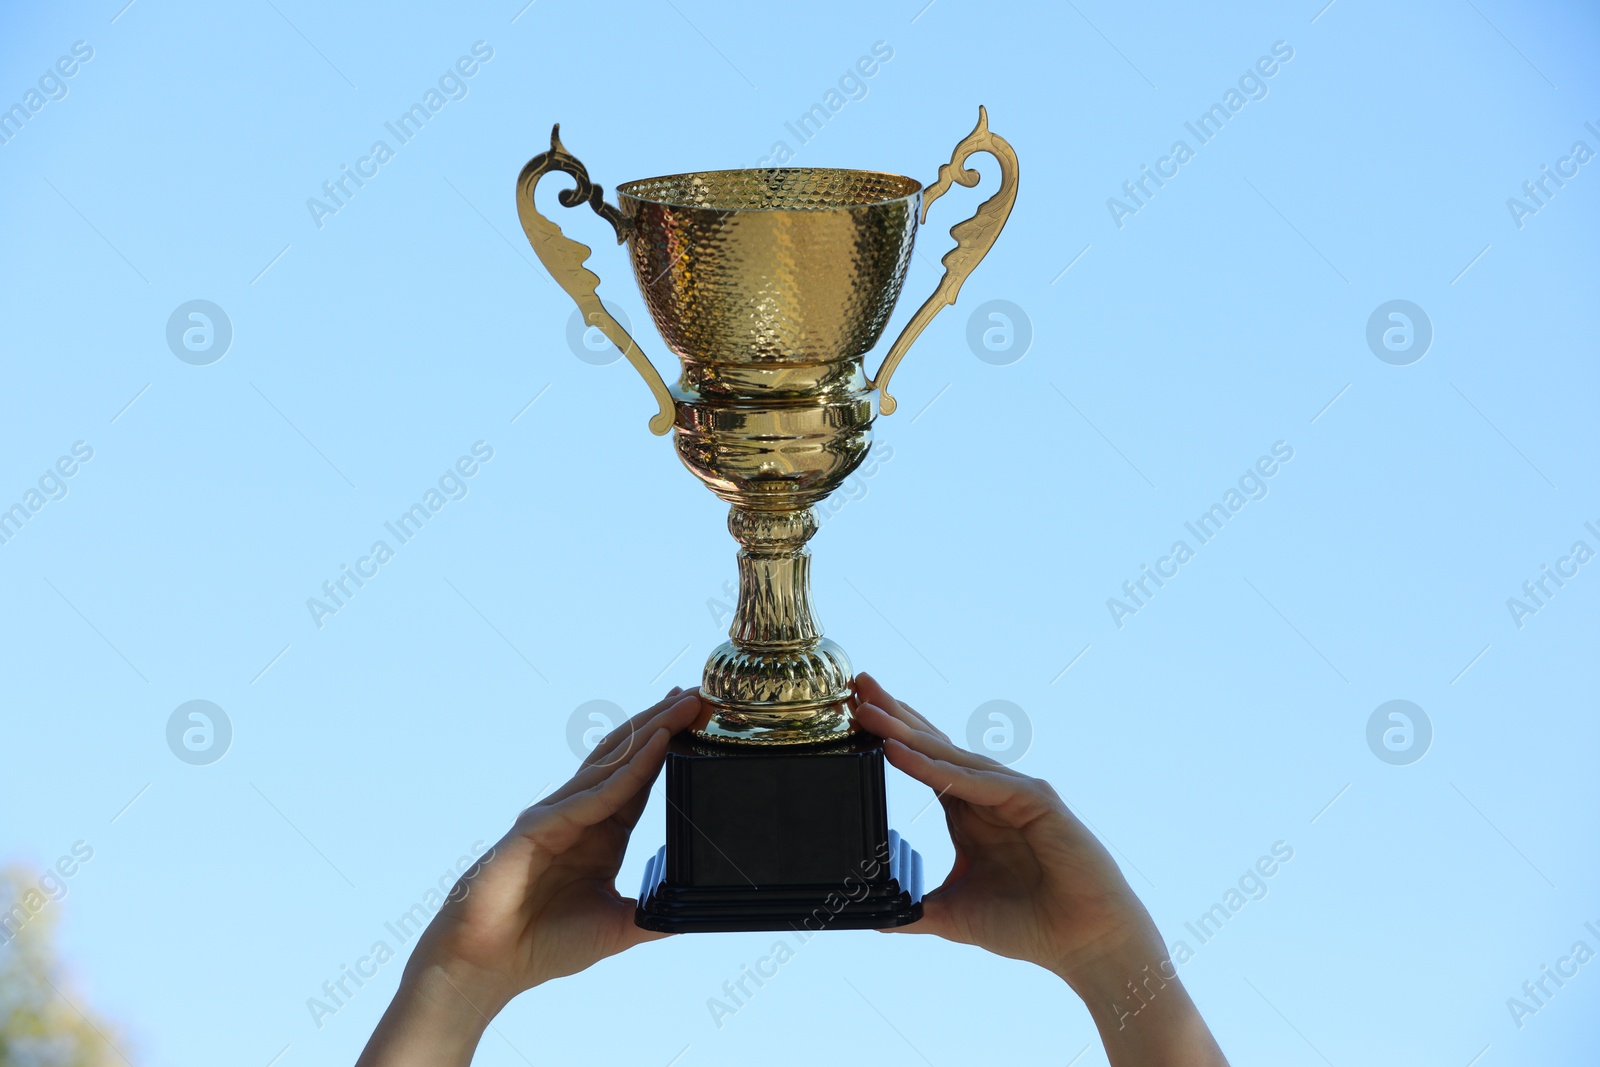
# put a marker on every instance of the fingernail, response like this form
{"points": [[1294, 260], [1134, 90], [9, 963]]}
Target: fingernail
{"points": [[674, 691]]}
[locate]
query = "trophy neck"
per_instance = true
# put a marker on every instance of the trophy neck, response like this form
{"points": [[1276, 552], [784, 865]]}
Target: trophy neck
{"points": [[774, 609], [763, 381], [777, 681]]}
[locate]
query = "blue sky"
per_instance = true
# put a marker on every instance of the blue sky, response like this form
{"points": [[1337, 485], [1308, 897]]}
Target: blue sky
{"points": [[1173, 346]]}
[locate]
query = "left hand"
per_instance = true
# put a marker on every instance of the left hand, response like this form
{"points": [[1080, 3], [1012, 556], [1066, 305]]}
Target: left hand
{"points": [[542, 904]]}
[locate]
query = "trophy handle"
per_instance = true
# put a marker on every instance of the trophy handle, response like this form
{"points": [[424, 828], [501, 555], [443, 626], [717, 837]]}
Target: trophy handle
{"points": [[564, 259], [974, 237]]}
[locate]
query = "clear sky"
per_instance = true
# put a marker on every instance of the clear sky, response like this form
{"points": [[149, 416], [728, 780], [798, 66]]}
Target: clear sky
{"points": [[1427, 459]]}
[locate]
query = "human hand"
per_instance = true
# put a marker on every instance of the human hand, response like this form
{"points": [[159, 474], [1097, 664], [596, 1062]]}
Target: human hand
{"points": [[1032, 883], [542, 904]]}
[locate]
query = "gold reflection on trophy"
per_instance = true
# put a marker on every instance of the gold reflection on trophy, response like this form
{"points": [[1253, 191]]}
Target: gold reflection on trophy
{"points": [[771, 286]]}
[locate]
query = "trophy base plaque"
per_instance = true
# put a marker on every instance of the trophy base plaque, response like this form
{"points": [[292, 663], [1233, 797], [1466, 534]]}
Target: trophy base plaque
{"points": [[806, 845]]}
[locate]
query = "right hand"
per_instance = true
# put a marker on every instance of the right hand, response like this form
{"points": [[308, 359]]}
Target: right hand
{"points": [[1030, 881]]}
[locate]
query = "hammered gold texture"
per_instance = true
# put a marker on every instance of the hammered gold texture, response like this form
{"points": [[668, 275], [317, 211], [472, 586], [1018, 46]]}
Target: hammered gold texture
{"points": [[784, 266]]}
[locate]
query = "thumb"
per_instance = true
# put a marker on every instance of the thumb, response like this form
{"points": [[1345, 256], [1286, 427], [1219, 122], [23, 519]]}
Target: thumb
{"points": [[935, 917], [631, 933]]}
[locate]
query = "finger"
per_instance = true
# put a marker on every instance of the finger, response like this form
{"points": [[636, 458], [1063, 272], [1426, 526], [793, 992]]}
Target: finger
{"points": [[604, 799], [912, 718], [675, 718], [924, 720], [887, 726], [989, 788], [607, 750], [557, 825], [870, 691], [891, 722], [615, 746]]}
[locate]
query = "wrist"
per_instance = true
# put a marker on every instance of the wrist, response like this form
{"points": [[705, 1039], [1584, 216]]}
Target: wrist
{"points": [[1143, 1013], [432, 1021], [1104, 973], [456, 991], [442, 968]]}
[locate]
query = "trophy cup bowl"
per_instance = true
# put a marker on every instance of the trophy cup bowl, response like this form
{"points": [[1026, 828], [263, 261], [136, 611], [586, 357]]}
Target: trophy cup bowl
{"points": [[771, 286]]}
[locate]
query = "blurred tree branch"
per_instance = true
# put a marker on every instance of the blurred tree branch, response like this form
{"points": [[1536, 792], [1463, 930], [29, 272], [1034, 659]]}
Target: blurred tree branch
{"points": [[43, 1022]]}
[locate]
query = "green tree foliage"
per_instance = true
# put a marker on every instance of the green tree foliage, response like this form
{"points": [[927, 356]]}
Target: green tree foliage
{"points": [[44, 1021]]}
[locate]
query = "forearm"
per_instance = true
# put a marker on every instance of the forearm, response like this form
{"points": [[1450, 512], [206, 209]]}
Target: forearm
{"points": [[432, 1022], [1144, 1015]]}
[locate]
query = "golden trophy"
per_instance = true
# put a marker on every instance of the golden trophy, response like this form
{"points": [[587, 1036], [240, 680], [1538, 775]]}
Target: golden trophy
{"points": [[771, 286]]}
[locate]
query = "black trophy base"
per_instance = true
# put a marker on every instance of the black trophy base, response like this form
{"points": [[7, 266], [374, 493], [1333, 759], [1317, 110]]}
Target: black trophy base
{"points": [[778, 839]]}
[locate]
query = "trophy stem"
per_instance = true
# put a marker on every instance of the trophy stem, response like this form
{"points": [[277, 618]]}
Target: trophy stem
{"points": [[774, 579], [777, 680]]}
